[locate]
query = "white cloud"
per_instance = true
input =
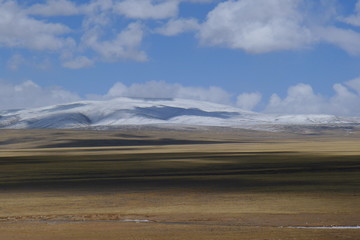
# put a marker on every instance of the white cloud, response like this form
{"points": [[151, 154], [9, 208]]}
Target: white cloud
{"points": [[355, 18], [97, 25], [354, 84], [160, 89], [344, 102], [19, 30], [176, 26], [144, 9], [259, 26], [256, 26], [272, 25], [346, 39], [248, 101], [54, 8], [117, 90], [97, 6], [124, 46], [151, 89], [97, 13], [211, 94], [301, 99], [28, 94]]}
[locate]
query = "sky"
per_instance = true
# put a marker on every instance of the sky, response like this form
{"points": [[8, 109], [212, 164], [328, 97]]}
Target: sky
{"points": [[271, 56]]}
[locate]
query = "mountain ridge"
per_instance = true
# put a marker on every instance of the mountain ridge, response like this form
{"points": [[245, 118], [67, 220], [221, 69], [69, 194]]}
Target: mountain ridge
{"points": [[134, 111]]}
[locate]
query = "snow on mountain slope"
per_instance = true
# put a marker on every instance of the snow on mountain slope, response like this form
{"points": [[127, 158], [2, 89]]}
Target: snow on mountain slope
{"points": [[129, 111]]}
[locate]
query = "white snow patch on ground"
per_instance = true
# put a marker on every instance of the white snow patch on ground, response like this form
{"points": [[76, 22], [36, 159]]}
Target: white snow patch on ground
{"points": [[326, 227], [136, 220]]}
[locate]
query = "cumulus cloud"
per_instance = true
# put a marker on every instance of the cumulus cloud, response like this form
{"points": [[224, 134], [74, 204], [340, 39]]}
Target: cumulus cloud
{"points": [[151, 89], [256, 26], [353, 19], [160, 89], [97, 6], [354, 84], [28, 94], [143, 9], [344, 102], [19, 30], [346, 39], [248, 101], [275, 25], [125, 46], [114, 30], [301, 99], [176, 26], [97, 14], [211, 94]]}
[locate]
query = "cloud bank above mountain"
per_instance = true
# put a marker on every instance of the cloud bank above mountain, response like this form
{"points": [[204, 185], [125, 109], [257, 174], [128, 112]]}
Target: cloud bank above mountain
{"points": [[28, 95], [161, 89], [300, 99]]}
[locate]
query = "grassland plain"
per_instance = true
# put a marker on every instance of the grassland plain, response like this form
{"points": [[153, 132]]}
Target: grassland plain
{"points": [[157, 183]]}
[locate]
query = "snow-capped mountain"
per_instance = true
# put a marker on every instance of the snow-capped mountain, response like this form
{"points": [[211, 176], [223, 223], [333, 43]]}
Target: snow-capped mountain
{"points": [[129, 111]]}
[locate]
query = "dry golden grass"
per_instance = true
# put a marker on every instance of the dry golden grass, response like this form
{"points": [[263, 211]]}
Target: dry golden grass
{"points": [[218, 184], [149, 231]]}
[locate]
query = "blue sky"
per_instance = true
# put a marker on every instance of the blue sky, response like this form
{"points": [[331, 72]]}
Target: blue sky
{"points": [[276, 56]]}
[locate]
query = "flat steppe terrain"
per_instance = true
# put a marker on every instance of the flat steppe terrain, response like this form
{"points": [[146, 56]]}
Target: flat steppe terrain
{"points": [[157, 183]]}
